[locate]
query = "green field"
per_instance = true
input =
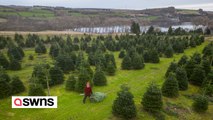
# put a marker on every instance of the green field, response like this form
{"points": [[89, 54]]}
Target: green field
{"points": [[150, 18], [39, 13], [70, 106], [185, 11]]}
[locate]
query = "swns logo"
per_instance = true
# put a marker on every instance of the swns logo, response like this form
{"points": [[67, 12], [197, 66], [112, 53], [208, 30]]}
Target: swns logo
{"points": [[34, 102]]}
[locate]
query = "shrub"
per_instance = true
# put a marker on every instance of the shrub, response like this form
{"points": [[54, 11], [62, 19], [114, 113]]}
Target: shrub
{"points": [[56, 75], [200, 104], [15, 65], [122, 54], [31, 57], [196, 57], [111, 69], [183, 60], [40, 48], [126, 63], [3, 61], [15, 52], [5, 88], [190, 65], [65, 62], [152, 99], [70, 83], [172, 68], [99, 78], [124, 105], [182, 79], [17, 85], [170, 86], [154, 56], [36, 90], [206, 66], [169, 51], [4, 75], [137, 62], [197, 76], [83, 77]]}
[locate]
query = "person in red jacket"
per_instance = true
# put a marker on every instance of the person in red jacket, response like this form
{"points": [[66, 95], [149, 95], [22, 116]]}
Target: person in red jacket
{"points": [[87, 91]]}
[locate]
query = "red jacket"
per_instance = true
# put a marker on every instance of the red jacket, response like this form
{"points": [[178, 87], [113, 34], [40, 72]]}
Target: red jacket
{"points": [[87, 91]]}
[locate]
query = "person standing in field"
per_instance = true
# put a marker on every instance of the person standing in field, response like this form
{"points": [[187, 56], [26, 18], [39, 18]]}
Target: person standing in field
{"points": [[87, 91]]}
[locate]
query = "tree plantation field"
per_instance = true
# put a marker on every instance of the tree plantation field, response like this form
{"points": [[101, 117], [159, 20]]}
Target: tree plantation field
{"points": [[70, 106]]}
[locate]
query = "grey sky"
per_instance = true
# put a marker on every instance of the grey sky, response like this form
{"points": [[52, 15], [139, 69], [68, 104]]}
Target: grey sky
{"points": [[117, 4]]}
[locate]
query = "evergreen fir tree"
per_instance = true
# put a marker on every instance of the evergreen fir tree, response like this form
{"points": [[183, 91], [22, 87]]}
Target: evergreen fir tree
{"points": [[15, 52], [151, 30], [206, 66], [31, 57], [170, 86], [76, 40], [79, 60], [56, 75], [207, 31], [183, 60], [19, 40], [4, 75], [5, 88], [135, 28], [17, 85], [169, 51], [137, 62], [40, 48], [122, 54], [91, 58], [208, 51], [30, 41], [110, 69], [3, 42], [197, 58], [197, 76], [200, 104], [54, 50], [172, 68], [86, 66], [154, 56], [190, 65], [182, 79], [210, 77], [70, 83], [65, 62], [124, 105], [178, 46], [81, 82], [140, 49], [126, 63], [152, 99], [208, 90], [131, 51], [39, 75], [170, 31], [147, 56], [192, 43], [3, 61], [83, 77], [99, 78], [110, 58], [36, 90], [15, 65]]}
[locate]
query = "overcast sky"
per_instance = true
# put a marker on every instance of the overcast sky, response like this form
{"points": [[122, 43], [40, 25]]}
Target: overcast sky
{"points": [[117, 4]]}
